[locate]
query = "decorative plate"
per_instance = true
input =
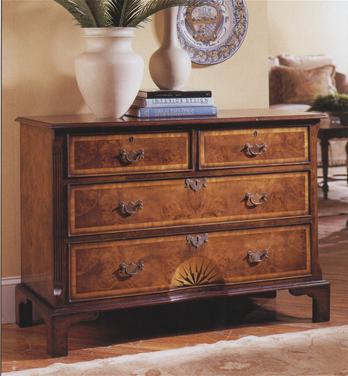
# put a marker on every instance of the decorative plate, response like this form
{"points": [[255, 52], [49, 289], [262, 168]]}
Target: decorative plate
{"points": [[213, 31]]}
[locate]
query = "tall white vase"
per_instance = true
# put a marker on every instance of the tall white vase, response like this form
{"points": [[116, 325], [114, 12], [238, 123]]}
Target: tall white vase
{"points": [[170, 65], [109, 73]]}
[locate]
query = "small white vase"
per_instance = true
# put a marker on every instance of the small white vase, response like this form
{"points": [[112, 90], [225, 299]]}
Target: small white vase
{"points": [[109, 73], [170, 65]]}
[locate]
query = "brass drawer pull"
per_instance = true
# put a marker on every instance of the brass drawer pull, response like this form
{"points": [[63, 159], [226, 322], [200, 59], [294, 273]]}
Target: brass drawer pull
{"points": [[130, 157], [254, 150], [254, 200], [129, 270], [130, 208], [255, 257], [196, 184], [197, 240]]}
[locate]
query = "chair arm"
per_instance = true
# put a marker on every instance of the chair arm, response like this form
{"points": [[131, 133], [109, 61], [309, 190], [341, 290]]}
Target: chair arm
{"points": [[341, 83]]}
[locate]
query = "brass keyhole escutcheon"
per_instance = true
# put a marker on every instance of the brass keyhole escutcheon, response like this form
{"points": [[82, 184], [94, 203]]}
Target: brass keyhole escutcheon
{"points": [[197, 241]]}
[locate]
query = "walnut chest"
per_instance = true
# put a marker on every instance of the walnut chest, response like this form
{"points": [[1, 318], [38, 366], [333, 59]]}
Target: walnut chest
{"points": [[126, 213]]}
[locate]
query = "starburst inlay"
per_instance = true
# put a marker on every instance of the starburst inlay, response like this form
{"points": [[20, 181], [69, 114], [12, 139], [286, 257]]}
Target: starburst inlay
{"points": [[195, 272]]}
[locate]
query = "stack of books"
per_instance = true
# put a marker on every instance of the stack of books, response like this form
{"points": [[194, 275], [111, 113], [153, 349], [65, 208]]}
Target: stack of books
{"points": [[169, 103]]}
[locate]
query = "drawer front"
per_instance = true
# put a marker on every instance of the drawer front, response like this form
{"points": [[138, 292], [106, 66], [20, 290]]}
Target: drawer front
{"points": [[158, 264], [234, 148], [125, 154], [127, 206]]}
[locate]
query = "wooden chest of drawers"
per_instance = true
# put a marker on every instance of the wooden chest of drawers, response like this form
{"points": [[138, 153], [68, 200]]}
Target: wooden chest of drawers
{"points": [[128, 213]]}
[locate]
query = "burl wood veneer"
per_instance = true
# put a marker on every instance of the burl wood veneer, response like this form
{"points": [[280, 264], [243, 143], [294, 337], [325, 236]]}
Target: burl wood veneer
{"points": [[174, 261], [127, 213], [223, 148], [98, 208], [113, 154]]}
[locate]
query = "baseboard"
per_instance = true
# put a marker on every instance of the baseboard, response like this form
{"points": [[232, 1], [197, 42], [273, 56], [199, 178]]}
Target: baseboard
{"points": [[8, 308]]}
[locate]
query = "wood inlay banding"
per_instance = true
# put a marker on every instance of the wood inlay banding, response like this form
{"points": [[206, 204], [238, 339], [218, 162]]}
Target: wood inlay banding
{"points": [[169, 203], [128, 153], [271, 146], [93, 265]]}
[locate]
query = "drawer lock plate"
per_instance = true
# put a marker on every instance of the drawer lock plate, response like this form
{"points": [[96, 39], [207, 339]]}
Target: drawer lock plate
{"points": [[197, 240]]}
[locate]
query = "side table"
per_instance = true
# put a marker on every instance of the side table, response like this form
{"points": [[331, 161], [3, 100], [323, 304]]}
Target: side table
{"points": [[328, 131]]}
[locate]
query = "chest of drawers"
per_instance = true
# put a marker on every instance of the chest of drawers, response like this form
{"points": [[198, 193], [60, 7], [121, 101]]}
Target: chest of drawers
{"points": [[128, 213]]}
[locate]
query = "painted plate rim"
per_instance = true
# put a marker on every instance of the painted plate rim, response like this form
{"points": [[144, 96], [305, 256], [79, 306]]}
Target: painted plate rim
{"points": [[201, 51]]}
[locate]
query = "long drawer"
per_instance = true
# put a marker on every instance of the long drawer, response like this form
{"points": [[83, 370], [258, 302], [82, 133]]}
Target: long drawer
{"points": [[126, 206], [158, 264], [262, 146], [127, 153]]}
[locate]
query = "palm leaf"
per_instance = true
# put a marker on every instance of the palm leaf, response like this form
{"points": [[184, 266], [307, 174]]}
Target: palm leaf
{"points": [[134, 7], [119, 13], [124, 10], [80, 11], [98, 9], [113, 10], [153, 6]]}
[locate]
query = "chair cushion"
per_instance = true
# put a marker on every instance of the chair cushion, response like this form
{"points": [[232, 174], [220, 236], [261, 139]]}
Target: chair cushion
{"points": [[291, 107], [304, 62], [303, 85], [275, 85]]}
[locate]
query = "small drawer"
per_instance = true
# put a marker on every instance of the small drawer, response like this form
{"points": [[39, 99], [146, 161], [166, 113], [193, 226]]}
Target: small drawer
{"points": [[130, 267], [102, 208], [261, 146], [128, 153]]}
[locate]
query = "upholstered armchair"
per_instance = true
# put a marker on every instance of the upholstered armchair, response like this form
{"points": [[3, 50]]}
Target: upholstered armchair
{"points": [[290, 77], [279, 75]]}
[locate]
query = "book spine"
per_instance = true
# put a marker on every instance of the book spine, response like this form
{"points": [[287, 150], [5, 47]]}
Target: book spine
{"points": [[175, 94], [175, 112], [173, 102]]}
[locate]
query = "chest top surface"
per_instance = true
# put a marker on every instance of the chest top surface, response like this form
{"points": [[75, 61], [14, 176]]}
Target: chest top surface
{"points": [[233, 118]]}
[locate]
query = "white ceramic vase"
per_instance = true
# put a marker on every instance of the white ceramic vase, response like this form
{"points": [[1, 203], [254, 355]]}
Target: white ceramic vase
{"points": [[109, 73], [170, 65]]}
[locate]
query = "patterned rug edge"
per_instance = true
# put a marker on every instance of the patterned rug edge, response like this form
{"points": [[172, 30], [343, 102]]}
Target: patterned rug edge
{"points": [[181, 352]]}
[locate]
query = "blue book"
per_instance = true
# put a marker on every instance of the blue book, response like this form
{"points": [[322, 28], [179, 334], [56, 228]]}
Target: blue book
{"points": [[167, 112]]}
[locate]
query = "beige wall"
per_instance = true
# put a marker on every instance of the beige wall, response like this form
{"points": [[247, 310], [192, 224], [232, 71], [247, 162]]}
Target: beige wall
{"points": [[40, 42], [309, 27]]}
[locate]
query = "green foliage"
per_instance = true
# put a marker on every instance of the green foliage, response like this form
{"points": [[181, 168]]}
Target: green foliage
{"points": [[117, 13], [80, 11], [98, 9], [154, 6], [330, 103]]}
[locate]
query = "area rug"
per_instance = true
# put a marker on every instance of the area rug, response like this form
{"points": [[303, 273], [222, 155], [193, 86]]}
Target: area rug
{"points": [[318, 352]]}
